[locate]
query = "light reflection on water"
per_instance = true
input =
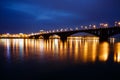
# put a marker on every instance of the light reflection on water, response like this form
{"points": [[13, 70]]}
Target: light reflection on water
{"points": [[103, 51], [76, 50], [117, 52]]}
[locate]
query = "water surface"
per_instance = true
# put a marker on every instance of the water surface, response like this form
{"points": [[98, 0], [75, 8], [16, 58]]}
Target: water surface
{"points": [[76, 58]]}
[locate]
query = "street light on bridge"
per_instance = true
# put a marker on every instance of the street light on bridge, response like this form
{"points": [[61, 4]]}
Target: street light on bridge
{"points": [[117, 23], [94, 26], [57, 30], [86, 27], [32, 33], [65, 29], [81, 27], [49, 31], [71, 29], [103, 25], [53, 31], [76, 28], [61, 30], [90, 26]]}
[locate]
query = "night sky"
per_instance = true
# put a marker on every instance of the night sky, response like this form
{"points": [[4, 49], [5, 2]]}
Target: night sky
{"points": [[32, 15]]}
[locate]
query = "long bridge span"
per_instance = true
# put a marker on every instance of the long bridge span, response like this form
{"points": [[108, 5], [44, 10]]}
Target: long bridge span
{"points": [[102, 33]]}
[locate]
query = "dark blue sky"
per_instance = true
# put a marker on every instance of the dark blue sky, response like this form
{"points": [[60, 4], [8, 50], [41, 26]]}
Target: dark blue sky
{"points": [[32, 15]]}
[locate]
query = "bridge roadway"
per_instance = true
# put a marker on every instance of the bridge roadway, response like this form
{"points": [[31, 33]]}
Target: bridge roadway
{"points": [[102, 33]]}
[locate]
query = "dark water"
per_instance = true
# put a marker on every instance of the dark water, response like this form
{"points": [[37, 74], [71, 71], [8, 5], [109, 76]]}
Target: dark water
{"points": [[76, 58]]}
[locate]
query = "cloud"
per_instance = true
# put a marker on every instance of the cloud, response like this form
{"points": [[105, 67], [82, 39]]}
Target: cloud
{"points": [[53, 15], [39, 12], [22, 7]]}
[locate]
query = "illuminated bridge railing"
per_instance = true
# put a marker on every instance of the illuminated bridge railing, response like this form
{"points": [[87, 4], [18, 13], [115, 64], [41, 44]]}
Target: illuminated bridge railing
{"points": [[69, 30]]}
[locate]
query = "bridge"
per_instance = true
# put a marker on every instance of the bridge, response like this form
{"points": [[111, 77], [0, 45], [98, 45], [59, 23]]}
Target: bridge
{"points": [[102, 33]]}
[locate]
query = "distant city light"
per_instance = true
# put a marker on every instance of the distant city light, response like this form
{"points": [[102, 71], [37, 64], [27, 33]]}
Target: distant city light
{"points": [[21, 33], [8, 33], [103, 25], [41, 30]]}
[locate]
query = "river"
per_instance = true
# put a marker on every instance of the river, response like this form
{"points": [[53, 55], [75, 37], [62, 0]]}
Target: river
{"points": [[75, 58]]}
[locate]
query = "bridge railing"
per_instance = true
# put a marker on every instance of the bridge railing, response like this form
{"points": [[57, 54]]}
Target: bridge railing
{"points": [[102, 26]]}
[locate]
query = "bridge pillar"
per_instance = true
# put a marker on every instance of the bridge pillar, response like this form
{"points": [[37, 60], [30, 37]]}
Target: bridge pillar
{"points": [[63, 38], [103, 39], [103, 34], [46, 37], [36, 37]]}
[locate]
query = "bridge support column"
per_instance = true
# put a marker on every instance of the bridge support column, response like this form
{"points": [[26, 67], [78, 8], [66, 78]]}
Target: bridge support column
{"points": [[103, 39], [103, 34], [36, 37], [63, 38], [46, 37]]}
